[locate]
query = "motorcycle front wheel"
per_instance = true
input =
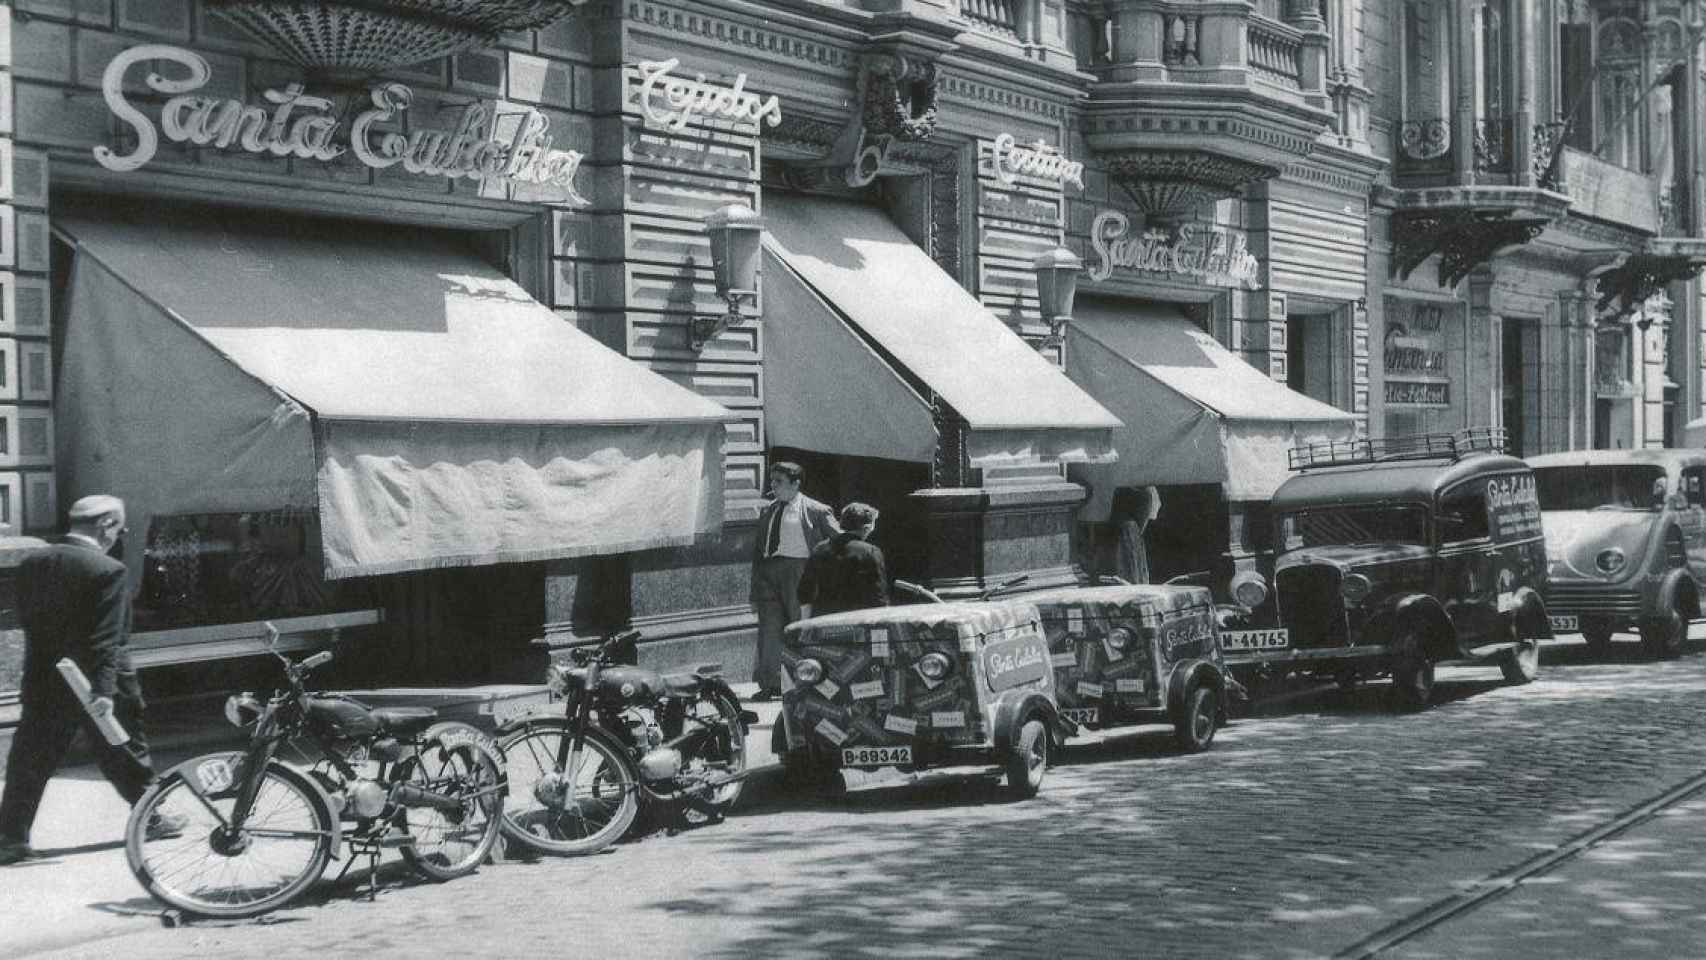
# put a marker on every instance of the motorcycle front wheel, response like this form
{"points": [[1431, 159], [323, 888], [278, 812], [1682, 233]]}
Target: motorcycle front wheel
{"points": [[203, 868], [451, 843], [564, 812], [721, 755]]}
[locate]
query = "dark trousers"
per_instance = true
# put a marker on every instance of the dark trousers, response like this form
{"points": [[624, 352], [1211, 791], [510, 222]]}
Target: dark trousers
{"points": [[49, 723], [776, 600]]}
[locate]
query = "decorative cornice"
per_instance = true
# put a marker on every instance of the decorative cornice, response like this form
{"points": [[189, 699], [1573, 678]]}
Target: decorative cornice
{"points": [[1000, 99], [726, 32]]}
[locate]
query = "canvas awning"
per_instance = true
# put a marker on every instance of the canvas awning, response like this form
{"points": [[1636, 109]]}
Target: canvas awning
{"points": [[430, 411], [859, 318], [1194, 411]]}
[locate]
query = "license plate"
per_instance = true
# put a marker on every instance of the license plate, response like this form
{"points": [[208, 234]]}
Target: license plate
{"points": [[1256, 639], [1566, 624], [875, 756], [1080, 714]]}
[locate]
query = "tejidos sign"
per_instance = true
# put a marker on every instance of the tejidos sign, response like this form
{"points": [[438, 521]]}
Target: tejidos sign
{"points": [[1214, 255], [512, 147]]}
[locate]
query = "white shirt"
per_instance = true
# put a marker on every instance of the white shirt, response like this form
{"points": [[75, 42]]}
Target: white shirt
{"points": [[793, 532]]}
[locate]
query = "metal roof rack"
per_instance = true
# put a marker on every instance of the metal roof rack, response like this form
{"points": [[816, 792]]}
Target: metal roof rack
{"points": [[1450, 447]]}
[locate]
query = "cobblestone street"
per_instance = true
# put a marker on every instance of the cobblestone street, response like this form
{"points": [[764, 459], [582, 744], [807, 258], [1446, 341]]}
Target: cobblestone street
{"points": [[1304, 830]]}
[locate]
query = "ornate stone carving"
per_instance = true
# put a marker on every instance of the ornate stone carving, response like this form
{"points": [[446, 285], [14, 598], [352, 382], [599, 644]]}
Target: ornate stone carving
{"points": [[1627, 286], [1168, 183], [899, 95], [1464, 239]]}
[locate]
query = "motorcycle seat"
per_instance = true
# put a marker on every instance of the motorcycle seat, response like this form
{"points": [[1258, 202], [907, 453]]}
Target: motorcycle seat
{"points": [[405, 720], [681, 684]]}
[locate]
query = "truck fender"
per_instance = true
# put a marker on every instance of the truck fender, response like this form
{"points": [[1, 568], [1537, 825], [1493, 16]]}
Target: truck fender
{"points": [[1528, 618], [1678, 585], [1013, 708], [1192, 673], [1439, 637]]}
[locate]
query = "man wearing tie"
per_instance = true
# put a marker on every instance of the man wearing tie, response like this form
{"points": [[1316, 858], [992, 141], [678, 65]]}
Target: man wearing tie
{"points": [[788, 529]]}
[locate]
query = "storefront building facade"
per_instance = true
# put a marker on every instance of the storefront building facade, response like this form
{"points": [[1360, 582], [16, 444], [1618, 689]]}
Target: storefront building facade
{"points": [[1256, 182], [1540, 228]]}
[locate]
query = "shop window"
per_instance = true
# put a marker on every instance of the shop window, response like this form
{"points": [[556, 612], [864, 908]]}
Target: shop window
{"points": [[234, 568], [1463, 513]]}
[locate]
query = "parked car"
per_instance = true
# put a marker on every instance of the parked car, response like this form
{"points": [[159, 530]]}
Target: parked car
{"points": [[1135, 654], [919, 686], [1395, 555], [1625, 542]]}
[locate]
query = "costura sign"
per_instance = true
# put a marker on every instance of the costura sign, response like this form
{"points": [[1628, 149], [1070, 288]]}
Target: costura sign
{"points": [[1012, 159], [512, 146], [1212, 255]]}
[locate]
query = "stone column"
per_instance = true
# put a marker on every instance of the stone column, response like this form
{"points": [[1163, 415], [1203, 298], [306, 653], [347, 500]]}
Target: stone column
{"points": [[1522, 118]]}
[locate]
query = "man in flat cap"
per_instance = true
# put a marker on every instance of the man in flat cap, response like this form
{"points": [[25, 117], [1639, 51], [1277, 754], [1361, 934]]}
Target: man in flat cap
{"points": [[73, 603]]}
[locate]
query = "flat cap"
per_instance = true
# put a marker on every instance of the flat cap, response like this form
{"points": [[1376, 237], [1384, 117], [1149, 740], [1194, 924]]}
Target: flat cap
{"points": [[96, 506]]}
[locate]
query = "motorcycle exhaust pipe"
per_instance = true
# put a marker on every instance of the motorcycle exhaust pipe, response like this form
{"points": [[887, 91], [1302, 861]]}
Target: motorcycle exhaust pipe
{"points": [[412, 796]]}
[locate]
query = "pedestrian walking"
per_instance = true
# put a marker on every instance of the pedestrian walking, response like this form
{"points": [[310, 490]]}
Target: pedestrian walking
{"points": [[73, 603], [788, 530], [1133, 509], [846, 572]]}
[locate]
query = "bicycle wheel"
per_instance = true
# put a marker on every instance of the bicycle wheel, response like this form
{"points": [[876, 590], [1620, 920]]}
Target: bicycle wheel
{"points": [[206, 870], [562, 812], [450, 843], [720, 756]]}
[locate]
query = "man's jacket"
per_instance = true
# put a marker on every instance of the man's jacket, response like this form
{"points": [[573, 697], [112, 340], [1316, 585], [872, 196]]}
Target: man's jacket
{"points": [[72, 603]]}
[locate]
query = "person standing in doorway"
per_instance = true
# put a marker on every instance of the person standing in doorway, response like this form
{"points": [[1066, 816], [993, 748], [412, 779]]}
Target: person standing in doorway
{"points": [[73, 603], [846, 572], [789, 529], [1133, 509]]}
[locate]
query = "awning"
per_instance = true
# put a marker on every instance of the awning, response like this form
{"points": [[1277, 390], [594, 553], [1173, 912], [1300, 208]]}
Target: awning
{"points": [[431, 412], [1194, 411], [848, 273]]}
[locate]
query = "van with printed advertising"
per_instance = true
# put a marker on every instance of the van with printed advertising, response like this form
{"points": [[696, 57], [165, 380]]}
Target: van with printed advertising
{"points": [[1625, 543], [916, 687], [1126, 655], [1392, 556]]}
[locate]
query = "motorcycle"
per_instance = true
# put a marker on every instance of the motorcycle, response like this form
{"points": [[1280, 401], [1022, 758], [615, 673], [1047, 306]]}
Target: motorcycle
{"points": [[627, 736], [252, 831]]}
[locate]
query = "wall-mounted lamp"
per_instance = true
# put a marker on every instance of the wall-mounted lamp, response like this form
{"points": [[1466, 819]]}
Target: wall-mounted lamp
{"points": [[1057, 284], [735, 232]]}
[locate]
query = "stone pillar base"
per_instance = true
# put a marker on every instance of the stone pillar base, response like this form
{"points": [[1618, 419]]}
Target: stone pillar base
{"points": [[977, 537]]}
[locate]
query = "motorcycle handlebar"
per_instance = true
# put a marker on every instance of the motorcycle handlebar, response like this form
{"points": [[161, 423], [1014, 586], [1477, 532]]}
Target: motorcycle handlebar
{"points": [[318, 659]]}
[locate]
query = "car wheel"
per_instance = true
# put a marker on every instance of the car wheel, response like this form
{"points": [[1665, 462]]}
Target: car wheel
{"points": [[1027, 761], [1521, 663], [1193, 728], [1413, 682], [1663, 636], [1598, 637]]}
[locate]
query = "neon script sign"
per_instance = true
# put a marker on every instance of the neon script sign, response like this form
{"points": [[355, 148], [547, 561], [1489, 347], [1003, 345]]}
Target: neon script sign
{"points": [[1037, 160], [1216, 256], [294, 124], [685, 99]]}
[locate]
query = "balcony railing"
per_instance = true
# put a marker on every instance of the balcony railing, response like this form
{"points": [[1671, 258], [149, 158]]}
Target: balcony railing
{"points": [[1002, 18], [1276, 53], [1493, 145]]}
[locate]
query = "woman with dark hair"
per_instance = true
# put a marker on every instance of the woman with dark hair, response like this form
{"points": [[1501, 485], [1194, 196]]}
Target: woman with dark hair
{"points": [[846, 572]]}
